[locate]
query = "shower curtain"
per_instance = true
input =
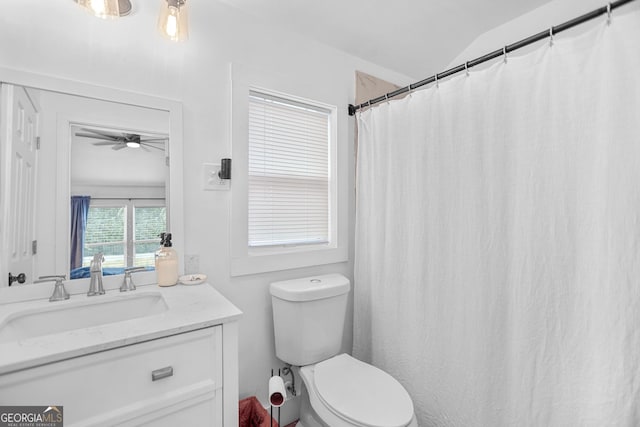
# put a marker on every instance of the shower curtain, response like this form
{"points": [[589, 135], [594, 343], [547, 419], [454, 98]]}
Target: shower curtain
{"points": [[497, 271]]}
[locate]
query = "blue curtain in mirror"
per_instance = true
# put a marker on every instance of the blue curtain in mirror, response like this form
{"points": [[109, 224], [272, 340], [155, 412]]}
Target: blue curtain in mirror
{"points": [[79, 214]]}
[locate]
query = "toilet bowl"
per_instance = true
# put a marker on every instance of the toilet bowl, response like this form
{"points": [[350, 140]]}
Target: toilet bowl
{"points": [[340, 391], [345, 392]]}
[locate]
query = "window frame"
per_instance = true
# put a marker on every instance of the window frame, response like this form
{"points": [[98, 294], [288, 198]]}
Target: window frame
{"points": [[108, 204], [246, 260], [129, 206]]}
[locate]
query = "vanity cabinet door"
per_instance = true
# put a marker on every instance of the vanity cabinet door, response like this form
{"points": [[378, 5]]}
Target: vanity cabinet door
{"points": [[164, 382]]}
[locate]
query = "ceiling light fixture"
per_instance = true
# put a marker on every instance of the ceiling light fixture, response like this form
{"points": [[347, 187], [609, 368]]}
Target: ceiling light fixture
{"points": [[173, 20], [133, 141], [106, 9]]}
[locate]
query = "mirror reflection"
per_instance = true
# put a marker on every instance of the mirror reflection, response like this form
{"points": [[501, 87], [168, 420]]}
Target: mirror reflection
{"points": [[84, 176], [118, 204]]}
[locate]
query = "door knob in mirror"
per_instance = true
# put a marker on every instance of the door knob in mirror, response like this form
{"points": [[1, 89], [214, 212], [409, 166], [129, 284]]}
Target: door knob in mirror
{"points": [[20, 278]]}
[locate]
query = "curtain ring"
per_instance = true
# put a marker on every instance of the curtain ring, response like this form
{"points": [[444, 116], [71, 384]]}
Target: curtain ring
{"points": [[386, 97], [550, 36], [409, 91], [608, 13], [504, 54], [437, 84], [466, 68]]}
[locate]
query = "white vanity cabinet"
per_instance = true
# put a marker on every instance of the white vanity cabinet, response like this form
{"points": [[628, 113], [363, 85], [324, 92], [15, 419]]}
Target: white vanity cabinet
{"points": [[172, 381]]}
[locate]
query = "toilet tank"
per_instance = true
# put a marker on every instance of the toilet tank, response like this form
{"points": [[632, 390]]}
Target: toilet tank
{"points": [[308, 317]]}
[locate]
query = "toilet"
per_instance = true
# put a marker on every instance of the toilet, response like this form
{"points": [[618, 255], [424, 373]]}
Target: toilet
{"points": [[339, 390]]}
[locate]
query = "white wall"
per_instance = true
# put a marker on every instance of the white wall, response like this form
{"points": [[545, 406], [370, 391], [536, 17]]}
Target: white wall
{"points": [[540, 19], [57, 38]]}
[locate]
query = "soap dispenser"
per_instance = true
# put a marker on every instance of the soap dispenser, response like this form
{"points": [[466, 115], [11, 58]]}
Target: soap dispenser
{"points": [[166, 262]]}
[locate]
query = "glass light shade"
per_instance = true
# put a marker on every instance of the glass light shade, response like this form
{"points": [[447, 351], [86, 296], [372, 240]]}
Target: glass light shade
{"points": [[133, 144], [173, 21], [105, 9]]}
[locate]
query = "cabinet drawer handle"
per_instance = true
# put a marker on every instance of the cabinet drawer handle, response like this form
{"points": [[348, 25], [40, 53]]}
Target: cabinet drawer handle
{"points": [[159, 374]]}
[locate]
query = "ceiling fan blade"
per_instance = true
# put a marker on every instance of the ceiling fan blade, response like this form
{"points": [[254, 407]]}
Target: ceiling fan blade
{"points": [[144, 144], [144, 148], [154, 140], [119, 146], [104, 133], [105, 143], [86, 135]]}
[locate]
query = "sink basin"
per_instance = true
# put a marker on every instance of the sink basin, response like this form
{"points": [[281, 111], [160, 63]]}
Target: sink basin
{"points": [[71, 315]]}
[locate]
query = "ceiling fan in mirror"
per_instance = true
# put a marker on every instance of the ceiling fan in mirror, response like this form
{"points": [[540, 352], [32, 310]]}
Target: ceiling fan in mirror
{"points": [[120, 140]]}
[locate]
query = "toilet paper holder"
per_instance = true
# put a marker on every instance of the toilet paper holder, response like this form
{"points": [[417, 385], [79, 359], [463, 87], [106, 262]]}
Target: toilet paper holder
{"points": [[271, 406], [278, 389]]}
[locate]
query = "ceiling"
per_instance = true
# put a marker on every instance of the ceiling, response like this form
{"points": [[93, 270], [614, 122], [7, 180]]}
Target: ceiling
{"points": [[414, 37]]}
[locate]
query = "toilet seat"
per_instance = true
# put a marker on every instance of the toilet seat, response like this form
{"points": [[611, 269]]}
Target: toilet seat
{"points": [[358, 393]]}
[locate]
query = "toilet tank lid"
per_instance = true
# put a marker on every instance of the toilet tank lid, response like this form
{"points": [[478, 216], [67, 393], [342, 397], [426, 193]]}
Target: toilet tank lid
{"points": [[311, 288]]}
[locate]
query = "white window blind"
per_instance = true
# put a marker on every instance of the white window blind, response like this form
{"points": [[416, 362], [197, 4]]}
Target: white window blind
{"points": [[288, 172]]}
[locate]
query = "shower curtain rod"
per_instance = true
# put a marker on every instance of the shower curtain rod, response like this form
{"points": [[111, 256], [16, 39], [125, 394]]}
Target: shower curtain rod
{"points": [[495, 54]]}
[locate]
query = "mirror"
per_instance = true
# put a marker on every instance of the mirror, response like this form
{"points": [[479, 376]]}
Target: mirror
{"points": [[121, 151], [118, 197]]}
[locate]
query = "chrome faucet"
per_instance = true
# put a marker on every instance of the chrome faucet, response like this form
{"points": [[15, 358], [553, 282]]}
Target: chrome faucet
{"points": [[59, 292], [95, 269], [128, 285]]}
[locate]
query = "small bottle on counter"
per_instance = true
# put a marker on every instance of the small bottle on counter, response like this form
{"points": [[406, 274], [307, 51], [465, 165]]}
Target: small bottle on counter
{"points": [[166, 262]]}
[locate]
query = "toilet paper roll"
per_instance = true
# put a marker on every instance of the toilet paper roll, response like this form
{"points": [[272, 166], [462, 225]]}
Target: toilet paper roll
{"points": [[277, 392]]}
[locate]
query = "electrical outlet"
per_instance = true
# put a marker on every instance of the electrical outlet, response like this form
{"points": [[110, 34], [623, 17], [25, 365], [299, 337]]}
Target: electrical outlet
{"points": [[210, 179], [191, 264]]}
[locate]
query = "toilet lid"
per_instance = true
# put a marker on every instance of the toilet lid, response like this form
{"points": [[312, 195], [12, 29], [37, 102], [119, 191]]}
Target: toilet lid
{"points": [[361, 393]]}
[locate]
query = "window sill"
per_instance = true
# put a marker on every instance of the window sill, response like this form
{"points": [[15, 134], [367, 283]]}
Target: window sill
{"points": [[263, 260]]}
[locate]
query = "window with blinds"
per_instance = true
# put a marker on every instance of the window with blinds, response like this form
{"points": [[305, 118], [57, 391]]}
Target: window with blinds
{"points": [[288, 165]]}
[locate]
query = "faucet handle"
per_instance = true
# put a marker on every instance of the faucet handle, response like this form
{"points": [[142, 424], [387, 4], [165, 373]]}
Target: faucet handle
{"points": [[51, 278], [96, 263], [127, 284], [59, 292]]}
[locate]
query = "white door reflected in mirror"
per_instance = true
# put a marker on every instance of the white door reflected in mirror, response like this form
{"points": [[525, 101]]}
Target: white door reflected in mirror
{"points": [[21, 130]]}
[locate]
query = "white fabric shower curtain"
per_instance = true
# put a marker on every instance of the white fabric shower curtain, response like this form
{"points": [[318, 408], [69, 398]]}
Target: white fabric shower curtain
{"points": [[497, 271]]}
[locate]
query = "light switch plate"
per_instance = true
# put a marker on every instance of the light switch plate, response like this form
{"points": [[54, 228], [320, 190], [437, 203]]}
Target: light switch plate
{"points": [[210, 179]]}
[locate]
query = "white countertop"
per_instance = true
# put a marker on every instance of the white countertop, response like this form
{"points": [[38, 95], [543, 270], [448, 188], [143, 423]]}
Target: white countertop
{"points": [[189, 308]]}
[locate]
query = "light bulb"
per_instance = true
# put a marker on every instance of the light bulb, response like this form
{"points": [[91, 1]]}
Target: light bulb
{"points": [[98, 7], [173, 22], [104, 8]]}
